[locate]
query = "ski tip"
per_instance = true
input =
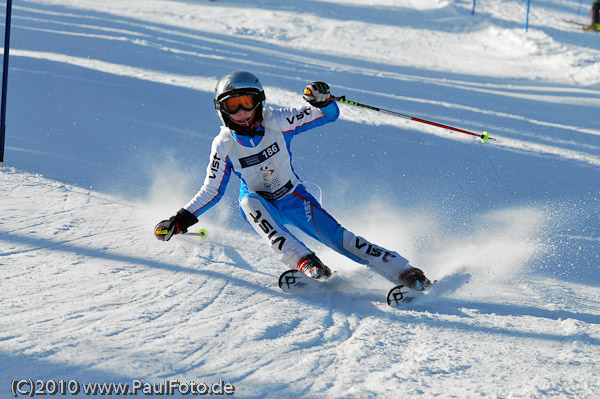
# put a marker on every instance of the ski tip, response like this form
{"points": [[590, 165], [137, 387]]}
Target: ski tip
{"points": [[292, 280], [401, 294]]}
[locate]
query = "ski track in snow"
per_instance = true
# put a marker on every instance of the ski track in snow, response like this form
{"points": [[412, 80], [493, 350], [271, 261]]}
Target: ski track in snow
{"points": [[98, 303], [87, 293]]}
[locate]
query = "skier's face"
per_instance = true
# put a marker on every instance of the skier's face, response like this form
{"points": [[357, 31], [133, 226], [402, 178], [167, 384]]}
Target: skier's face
{"points": [[243, 117]]}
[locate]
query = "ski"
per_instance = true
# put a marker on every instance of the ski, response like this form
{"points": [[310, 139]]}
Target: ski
{"points": [[294, 281]]}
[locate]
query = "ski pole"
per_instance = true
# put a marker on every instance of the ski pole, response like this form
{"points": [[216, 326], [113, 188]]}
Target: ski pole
{"points": [[484, 136], [201, 233]]}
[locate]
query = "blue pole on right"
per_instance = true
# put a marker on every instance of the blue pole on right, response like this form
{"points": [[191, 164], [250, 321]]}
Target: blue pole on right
{"points": [[527, 22], [473, 10], [5, 80]]}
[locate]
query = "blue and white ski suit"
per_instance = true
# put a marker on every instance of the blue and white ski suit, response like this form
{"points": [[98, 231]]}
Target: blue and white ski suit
{"points": [[272, 195]]}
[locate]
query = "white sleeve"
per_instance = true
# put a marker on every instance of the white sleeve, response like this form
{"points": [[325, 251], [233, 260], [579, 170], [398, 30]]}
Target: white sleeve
{"points": [[217, 177], [297, 120]]}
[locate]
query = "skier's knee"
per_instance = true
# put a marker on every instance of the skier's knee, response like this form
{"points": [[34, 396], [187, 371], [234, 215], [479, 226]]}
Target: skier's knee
{"points": [[249, 198], [256, 207]]}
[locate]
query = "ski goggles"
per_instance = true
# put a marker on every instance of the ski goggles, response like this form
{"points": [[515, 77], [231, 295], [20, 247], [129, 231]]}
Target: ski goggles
{"points": [[232, 105]]}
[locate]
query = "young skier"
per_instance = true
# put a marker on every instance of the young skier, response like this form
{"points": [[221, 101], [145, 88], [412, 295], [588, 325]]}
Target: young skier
{"points": [[254, 143]]}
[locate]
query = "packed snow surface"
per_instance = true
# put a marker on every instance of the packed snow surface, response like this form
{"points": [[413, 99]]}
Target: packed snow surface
{"points": [[109, 125]]}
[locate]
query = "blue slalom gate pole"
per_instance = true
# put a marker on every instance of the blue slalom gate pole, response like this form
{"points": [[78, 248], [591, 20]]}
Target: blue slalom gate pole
{"points": [[5, 80], [527, 22], [473, 10]]}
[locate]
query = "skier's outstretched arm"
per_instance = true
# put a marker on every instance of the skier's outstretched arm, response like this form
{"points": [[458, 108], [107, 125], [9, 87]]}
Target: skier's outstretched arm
{"points": [[217, 177], [322, 110]]}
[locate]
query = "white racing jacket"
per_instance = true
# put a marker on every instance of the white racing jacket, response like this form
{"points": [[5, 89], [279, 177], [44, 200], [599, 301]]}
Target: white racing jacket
{"points": [[263, 163]]}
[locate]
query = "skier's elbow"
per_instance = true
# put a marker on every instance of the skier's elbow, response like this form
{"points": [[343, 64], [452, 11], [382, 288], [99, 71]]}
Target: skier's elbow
{"points": [[331, 112]]}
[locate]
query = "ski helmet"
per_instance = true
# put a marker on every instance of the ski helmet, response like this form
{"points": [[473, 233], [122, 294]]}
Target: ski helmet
{"points": [[240, 89]]}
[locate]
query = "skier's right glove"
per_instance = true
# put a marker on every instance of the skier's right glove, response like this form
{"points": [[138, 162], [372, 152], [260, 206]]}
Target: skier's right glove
{"points": [[317, 94], [175, 225]]}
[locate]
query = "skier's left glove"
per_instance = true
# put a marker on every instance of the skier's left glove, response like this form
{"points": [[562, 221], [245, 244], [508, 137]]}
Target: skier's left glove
{"points": [[175, 225], [317, 94]]}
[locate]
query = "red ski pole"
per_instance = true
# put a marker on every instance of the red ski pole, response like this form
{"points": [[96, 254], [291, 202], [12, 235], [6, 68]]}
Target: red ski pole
{"points": [[483, 136]]}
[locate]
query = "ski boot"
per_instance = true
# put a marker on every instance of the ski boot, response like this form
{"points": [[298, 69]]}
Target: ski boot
{"points": [[414, 278], [312, 266]]}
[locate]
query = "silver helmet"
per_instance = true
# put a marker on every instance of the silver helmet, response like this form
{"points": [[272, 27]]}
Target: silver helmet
{"points": [[237, 85]]}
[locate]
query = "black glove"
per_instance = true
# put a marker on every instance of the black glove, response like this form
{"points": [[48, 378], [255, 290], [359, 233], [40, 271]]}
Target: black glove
{"points": [[175, 225], [317, 94]]}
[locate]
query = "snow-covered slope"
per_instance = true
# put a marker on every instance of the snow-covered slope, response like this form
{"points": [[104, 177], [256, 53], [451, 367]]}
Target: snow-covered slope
{"points": [[109, 125]]}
